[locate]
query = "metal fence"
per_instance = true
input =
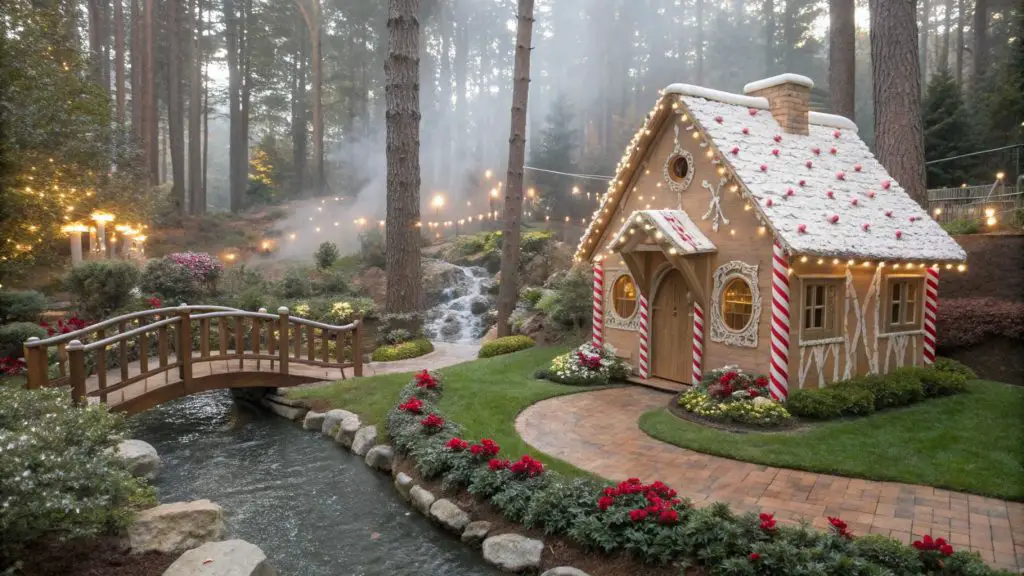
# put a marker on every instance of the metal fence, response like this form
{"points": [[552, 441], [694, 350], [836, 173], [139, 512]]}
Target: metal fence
{"points": [[979, 203]]}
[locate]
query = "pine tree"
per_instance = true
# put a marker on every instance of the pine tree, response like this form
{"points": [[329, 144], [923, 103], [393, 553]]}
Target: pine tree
{"points": [[556, 151], [948, 132]]}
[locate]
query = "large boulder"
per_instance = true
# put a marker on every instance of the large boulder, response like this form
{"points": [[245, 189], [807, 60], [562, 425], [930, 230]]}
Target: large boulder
{"points": [[347, 430], [447, 514], [313, 420], [176, 526], [380, 457], [141, 457], [332, 420], [284, 407], [475, 532], [366, 438], [442, 281], [479, 305], [564, 571], [404, 484], [422, 499], [513, 552], [227, 558]]}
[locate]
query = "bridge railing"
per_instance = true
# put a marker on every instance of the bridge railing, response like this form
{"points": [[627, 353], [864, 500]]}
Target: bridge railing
{"points": [[178, 338]]}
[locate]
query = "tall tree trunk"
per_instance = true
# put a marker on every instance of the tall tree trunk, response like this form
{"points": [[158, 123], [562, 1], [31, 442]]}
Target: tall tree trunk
{"points": [[508, 293], [445, 112], [842, 57], [926, 18], [197, 204], [245, 59], [700, 42], [299, 110], [311, 14], [461, 63], [980, 30], [769, 36], [150, 116], [135, 39], [119, 60], [176, 104], [899, 133], [946, 33], [960, 44], [95, 35], [234, 105], [105, 30], [206, 128], [401, 74]]}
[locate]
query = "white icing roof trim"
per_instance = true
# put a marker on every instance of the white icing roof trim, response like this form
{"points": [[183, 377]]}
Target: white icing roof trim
{"points": [[674, 225], [824, 193], [833, 120], [759, 102], [777, 80]]}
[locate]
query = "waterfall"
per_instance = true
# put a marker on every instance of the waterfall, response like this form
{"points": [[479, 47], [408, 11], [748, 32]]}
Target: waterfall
{"points": [[459, 318]]}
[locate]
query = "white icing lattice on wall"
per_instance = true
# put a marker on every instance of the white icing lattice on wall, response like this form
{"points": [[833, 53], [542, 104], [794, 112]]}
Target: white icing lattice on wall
{"points": [[714, 212], [897, 348], [612, 319], [860, 328], [673, 184], [746, 337], [818, 354]]}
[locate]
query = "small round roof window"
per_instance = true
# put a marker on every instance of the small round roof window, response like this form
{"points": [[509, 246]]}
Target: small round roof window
{"points": [[678, 168]]}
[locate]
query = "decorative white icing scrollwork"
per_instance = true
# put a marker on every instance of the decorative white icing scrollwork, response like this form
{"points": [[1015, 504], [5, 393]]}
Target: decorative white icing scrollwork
{"points": [[678, 182], [714, 212], [612, 319], [720, 332]]}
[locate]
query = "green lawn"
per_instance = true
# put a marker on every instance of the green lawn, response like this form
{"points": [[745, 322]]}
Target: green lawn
{"points": [[973, 442], [484, 396]]}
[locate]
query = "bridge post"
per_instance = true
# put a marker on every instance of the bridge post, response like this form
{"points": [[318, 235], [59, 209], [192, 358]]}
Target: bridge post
{"points": [[357, 348], [76, 376], [37, 365], [282, 338], [185, 346]]}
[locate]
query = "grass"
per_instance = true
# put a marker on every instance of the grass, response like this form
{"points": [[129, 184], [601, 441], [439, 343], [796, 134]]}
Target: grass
{"points": [[484, 396], [970, 442]]}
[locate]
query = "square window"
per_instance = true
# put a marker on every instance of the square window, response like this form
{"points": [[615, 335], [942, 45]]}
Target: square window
{"points": [[904, 299], [820, 311]]}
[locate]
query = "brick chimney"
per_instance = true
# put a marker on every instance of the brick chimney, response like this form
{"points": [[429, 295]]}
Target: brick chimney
{"points": [[789, 98]]}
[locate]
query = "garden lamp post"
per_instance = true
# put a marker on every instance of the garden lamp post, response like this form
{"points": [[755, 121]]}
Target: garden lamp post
{"points": [[101, 219], [74, 232]]}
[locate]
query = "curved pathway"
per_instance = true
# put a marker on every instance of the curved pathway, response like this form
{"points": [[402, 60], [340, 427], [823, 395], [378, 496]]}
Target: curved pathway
{"points": [[598, 432]]}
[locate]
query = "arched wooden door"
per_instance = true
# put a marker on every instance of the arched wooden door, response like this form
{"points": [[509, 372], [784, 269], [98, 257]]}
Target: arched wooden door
{"points": [[671, 344]]}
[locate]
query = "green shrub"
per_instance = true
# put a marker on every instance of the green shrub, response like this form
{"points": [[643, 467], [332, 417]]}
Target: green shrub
{"points": [[573, 303], [889, 553], [58, 476], [531, 296], [935, 382], [331, 281], [901, 387], [532, 243], [853, 399], [961, 226], [949, 365], [102, 286], [295, 284], [172, 282], [505, 345], [372, 248], [238, 279], [403, 351], [23, 306], [326, 255], [13, 336]]}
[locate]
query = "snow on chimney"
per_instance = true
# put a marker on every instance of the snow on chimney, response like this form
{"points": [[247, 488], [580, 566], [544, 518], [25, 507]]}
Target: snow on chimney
{"points": [[789, 98]]}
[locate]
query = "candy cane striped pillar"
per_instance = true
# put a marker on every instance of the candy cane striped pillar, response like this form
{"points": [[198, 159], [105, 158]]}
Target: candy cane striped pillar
{"points": [[598, 305], [698, 343], [931, 307], [645, 338], [779, 369]]}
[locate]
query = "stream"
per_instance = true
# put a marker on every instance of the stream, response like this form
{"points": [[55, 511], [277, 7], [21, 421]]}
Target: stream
{"points": [[314, 508]]}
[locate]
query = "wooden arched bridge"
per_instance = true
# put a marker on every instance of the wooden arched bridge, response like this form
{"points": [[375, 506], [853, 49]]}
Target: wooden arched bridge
{"points": [[139, 360]]}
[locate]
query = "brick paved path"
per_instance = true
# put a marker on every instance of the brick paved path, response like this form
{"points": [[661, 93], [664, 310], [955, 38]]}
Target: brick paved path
{"points": [[598, 431]]}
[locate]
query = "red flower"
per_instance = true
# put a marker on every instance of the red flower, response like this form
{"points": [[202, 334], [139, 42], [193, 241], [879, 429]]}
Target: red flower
{"points": [[668, 516], [414, 405], [754, 556], [637, 515], [527, 466], [486, 447], [432, 422], [457, 445], [155, 302], [767, 522], [753, 392], [840, 527], [496, 464], [605, 502], [11, 366], [425, 380], [927, 544], [761, 382]]}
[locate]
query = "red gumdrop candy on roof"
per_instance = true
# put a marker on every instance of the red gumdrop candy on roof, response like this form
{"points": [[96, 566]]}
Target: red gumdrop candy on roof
{"points": [[802, 228], [830, 194], [777, 138], [753, 111], [866, 226], [768, 202], [746, 130], [764, 167], [809, 164], [735, 150], [718, 119], [837, 133], [816, 150], [856, 167], [886, 184], [899, 234], [775, 151], [833, 218], [789, 192], [833, 151], [803, 182]]}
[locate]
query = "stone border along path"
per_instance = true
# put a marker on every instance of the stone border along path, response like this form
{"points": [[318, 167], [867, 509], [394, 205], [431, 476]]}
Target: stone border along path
{"points": [[598, 432]]}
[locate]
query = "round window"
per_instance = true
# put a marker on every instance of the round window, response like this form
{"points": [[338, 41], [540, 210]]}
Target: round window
{"points": [[624, 297], [737, 304], [678, 168]]}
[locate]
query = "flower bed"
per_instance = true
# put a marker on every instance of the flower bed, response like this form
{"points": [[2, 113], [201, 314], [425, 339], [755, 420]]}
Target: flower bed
{"points": [[732, 395], [647, 521], [587, 365]]}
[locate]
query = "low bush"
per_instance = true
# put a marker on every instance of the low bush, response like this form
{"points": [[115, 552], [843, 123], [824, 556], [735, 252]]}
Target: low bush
{"points": [[58, 475], [532, 243], [572, 304], [935, 382], [962, 322], [372, 248], [954, 367], [21, 306], [296, 283], [847, 398], [900, 387], [103, 286], [531, 296], [505, 345], [13, 336], [648, 522], [171, 281], [204, 267], [588, 365], [403, 351], [326, 255], [961, 226]]}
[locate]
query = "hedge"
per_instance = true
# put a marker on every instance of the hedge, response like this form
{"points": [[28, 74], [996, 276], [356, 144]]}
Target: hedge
{"points": [[964, 322], [864, 394], [13, 337], [505, 345], [648, 522], [403, 351], [21, 306]]}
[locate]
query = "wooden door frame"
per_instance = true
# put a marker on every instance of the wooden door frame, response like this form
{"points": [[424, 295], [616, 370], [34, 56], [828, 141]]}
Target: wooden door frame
{"points": [[657, 277]]}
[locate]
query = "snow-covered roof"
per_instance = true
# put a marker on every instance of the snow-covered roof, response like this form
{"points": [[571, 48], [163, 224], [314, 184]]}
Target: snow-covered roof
{"points": [[821, 194], [673, 227]]}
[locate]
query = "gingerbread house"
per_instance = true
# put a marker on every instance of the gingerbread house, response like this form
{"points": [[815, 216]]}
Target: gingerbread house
{"points": [[748, 229]]}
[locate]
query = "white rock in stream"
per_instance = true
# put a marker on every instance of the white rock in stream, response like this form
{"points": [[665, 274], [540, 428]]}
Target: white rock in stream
{"points": [[380, 457], [565, 571], [313, 420], [422, 499], [142, 459], [365, 439], [404, 484], [227, 558], [513, 552], [176, 526], [333, 418], [347, 430], [449, 515]]}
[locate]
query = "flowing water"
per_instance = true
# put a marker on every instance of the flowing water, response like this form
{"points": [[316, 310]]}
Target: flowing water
{"points": [[314, 508], [454, 319]]}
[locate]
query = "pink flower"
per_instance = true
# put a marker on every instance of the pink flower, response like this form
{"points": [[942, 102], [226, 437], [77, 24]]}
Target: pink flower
{"points": [[425, 379], [830, 194], [637, 515], [840, 175], [457, 445], [833, 151], [790, 192], [871, 193], [413, 406], [754, 556], [605, 502], [495, 464], [803, 182], [854, 201], [432, 422], [768, 202], [888, 213]]}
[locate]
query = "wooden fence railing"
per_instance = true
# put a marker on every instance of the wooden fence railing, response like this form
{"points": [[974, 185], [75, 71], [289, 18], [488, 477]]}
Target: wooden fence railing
{"points": [[178, 338]]}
